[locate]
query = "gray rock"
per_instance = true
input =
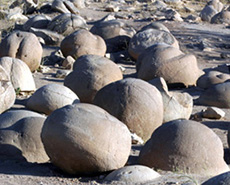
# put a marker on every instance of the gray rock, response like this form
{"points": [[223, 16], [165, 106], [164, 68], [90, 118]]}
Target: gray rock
{"points": [[222, 17], [207, 13], [184, 145], [96, 141], [222, 179], [133, 174], [213, 113], [62, 73], [68, 62], [50, 97], [37, 21]]}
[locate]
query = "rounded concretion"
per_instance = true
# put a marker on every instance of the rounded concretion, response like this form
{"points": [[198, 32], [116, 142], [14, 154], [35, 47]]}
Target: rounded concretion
{"points": [[184, 145], [85, 139], [83, 42], [90, 74], [135, 102], [24, 46]]}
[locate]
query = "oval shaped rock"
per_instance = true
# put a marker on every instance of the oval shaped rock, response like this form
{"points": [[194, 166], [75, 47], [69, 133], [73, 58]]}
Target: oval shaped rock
{"points": [[165, 61], [135, 102], [90, 74], [184, 145], [24, 46], [22, 140], [19, 73], [37, 21], [51, 97], [133, 174], [95, 140], [82, 42]]}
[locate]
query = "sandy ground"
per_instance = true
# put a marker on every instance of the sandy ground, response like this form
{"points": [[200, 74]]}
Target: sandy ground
{"points": [[189, 36]]}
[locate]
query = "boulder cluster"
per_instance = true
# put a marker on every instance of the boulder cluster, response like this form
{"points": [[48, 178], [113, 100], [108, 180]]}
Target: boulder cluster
{"points": [[84, 126]]}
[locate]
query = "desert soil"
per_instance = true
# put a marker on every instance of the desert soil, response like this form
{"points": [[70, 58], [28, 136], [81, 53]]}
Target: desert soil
{"points": [[189, 35]]}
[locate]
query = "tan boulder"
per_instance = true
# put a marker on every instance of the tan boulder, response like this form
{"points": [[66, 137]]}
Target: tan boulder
{"points": [[90, 74], [24, 46], [184, 145], [134, 102], [85, 139], [162, 60], [83, 42]]}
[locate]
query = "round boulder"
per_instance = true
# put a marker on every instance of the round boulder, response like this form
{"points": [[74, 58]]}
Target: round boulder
{"points": [[37, 21], [67, 23], [51, 97], [83, 42], [21, 140], [24, 46], [211, 78], [95, 140], [222, 179], [162, 60], [7, 93], [133, 174], [217, 95], [19, 73], [149, 36], [222, 17], [134, 102], [184, 145], [90, 74], [207, 13]]}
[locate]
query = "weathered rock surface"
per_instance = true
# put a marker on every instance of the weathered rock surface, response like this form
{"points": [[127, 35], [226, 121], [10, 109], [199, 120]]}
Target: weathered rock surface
{"points": [[90, 74], [135, 102], [162, 60], [83, 42], [184, 145], [19, 73], [24, 46], [95, 140], [133, 174], [50, 97], [222, 179]]}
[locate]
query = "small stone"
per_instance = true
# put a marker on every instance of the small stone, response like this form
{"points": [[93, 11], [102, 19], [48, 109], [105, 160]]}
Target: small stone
{"points": [[62, 73], [112, 8], [213, 113], [68, 62], [136, 139]]}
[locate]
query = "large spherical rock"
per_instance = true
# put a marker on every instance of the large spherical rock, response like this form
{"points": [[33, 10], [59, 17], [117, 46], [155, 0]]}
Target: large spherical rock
{"points": [[24, 46], [22, 140], [165, 61], [211, 78], [90, 74], [85, 139], [186, 146], [67, 23], [148, 37], [222, 179], [51, 97], [19, 73], [82, 42], [135, 102], [217, 95], [133, 174], [7, 93]]}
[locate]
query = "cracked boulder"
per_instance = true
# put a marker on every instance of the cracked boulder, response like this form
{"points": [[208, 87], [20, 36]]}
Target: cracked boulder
{"points": [[67, 23], [135, 102], [7, 93], [116, 34], [96, 141], [19, 74], [51, 97], [149, 36], [20, 140], [217, 95], [176, 105], [162, 60], [211, 78], [69, 6], [24, 46], [90, 74], [83, 42], [184, 145]]}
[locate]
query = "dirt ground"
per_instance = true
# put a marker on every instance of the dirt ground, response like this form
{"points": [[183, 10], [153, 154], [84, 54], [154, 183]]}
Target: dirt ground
{"points": [[190, 36]]}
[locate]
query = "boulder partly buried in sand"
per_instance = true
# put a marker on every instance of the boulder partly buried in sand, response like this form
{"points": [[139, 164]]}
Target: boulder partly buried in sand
{"points": [[90, 74], [85, 139], [135, 102], [184, 145], [51, 97]]}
